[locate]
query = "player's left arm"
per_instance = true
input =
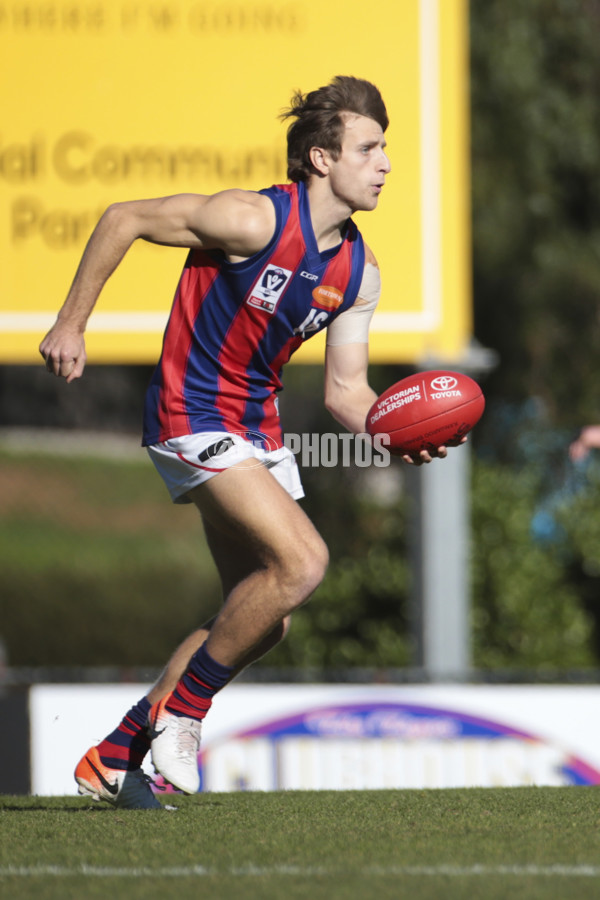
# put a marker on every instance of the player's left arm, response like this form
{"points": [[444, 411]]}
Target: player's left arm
{"points": [[348, 396]]}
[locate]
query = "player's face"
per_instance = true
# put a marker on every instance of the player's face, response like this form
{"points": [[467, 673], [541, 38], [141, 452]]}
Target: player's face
{"points": [[358, 175]]}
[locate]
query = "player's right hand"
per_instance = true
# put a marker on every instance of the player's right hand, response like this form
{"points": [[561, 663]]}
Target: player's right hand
{"points": [[589, 439], [426, 456], [64, 352]]}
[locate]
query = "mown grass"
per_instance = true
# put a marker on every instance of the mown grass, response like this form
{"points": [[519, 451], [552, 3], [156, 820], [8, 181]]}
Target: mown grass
{"points": [[523, 843]]}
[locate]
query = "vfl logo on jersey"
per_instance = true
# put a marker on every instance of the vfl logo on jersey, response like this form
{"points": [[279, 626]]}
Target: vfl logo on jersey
{"points": [[269, 287]]}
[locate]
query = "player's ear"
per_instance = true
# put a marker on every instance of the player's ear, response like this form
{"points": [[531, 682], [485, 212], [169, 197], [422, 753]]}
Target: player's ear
{"points": [[320, 160]]}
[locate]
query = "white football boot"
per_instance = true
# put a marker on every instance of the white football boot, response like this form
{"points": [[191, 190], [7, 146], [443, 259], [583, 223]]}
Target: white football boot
{"points": [[175, 744]]}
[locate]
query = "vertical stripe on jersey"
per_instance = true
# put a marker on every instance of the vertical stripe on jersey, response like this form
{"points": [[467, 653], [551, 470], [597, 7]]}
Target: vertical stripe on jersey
{"points": [[245, 336], [195, 282]]}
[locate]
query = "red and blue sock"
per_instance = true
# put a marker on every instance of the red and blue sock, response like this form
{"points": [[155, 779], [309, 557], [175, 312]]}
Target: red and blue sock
{"points": [[126, 747], [193, 694]]}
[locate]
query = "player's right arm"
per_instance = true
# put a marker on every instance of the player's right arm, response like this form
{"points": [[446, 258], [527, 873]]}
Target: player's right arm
{"points": [[238, 222]]}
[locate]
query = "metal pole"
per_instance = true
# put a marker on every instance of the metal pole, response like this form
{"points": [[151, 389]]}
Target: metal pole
{"points": [[441, 535], [441, 589]]}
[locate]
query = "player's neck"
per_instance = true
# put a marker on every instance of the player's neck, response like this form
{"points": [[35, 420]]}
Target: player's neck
{"points": [[329, 216]]}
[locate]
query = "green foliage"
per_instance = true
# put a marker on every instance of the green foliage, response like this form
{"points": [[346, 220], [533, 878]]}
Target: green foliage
{"points": [[527, 612], [580, 523], [358, 615], [536, 198]]}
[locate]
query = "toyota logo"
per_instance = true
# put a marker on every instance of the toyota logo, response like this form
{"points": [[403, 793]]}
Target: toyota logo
{"points": [[444, 383]]}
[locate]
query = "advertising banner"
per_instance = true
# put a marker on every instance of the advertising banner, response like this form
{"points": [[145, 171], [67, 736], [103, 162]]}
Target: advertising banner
{"points": [[110, 100], [350, 737]]}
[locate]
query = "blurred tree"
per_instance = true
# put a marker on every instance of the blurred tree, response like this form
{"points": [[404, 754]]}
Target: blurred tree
{"points": [[535, 73], [527, 611]]}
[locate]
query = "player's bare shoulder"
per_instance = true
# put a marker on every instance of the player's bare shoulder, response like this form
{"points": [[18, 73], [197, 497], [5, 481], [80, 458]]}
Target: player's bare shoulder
{"points": [[242, 221]]}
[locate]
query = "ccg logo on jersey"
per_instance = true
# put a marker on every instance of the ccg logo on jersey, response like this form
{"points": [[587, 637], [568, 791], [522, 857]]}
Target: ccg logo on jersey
{"points": [[268, 288]]}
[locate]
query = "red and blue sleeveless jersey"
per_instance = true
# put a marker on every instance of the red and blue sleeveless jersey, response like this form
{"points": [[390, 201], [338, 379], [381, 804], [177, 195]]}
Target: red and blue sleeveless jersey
{"points": [[233, 326]]}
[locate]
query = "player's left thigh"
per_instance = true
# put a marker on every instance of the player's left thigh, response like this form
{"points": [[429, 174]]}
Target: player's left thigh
{"points": [[234, 559], [249, 513]]}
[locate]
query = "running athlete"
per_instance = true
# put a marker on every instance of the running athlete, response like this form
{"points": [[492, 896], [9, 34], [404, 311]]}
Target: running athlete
{"points": [[266, 270]]}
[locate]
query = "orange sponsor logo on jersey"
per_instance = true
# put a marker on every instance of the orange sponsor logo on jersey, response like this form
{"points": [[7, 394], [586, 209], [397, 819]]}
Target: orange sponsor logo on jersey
{"points": [[327, 297]]}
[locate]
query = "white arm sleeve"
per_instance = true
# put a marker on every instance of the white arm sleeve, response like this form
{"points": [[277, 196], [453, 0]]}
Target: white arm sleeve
{"points": [[352, 326]]}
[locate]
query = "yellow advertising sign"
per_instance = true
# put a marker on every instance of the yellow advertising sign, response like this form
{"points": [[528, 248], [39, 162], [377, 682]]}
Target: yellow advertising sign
{"points": [[107, 100]]}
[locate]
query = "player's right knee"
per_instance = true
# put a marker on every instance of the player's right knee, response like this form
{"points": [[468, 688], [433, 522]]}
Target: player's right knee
{"points": [[285, 626], [305, 570], [319, 564]]}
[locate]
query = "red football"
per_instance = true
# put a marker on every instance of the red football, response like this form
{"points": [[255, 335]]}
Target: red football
{"points": [[426, 410]]}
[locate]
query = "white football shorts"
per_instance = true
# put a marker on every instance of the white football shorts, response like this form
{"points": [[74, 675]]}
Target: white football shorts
{"points": [[185, 462]]}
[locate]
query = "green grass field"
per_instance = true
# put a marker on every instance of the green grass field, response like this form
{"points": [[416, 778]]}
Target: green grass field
{"points": [[518, 843]]}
